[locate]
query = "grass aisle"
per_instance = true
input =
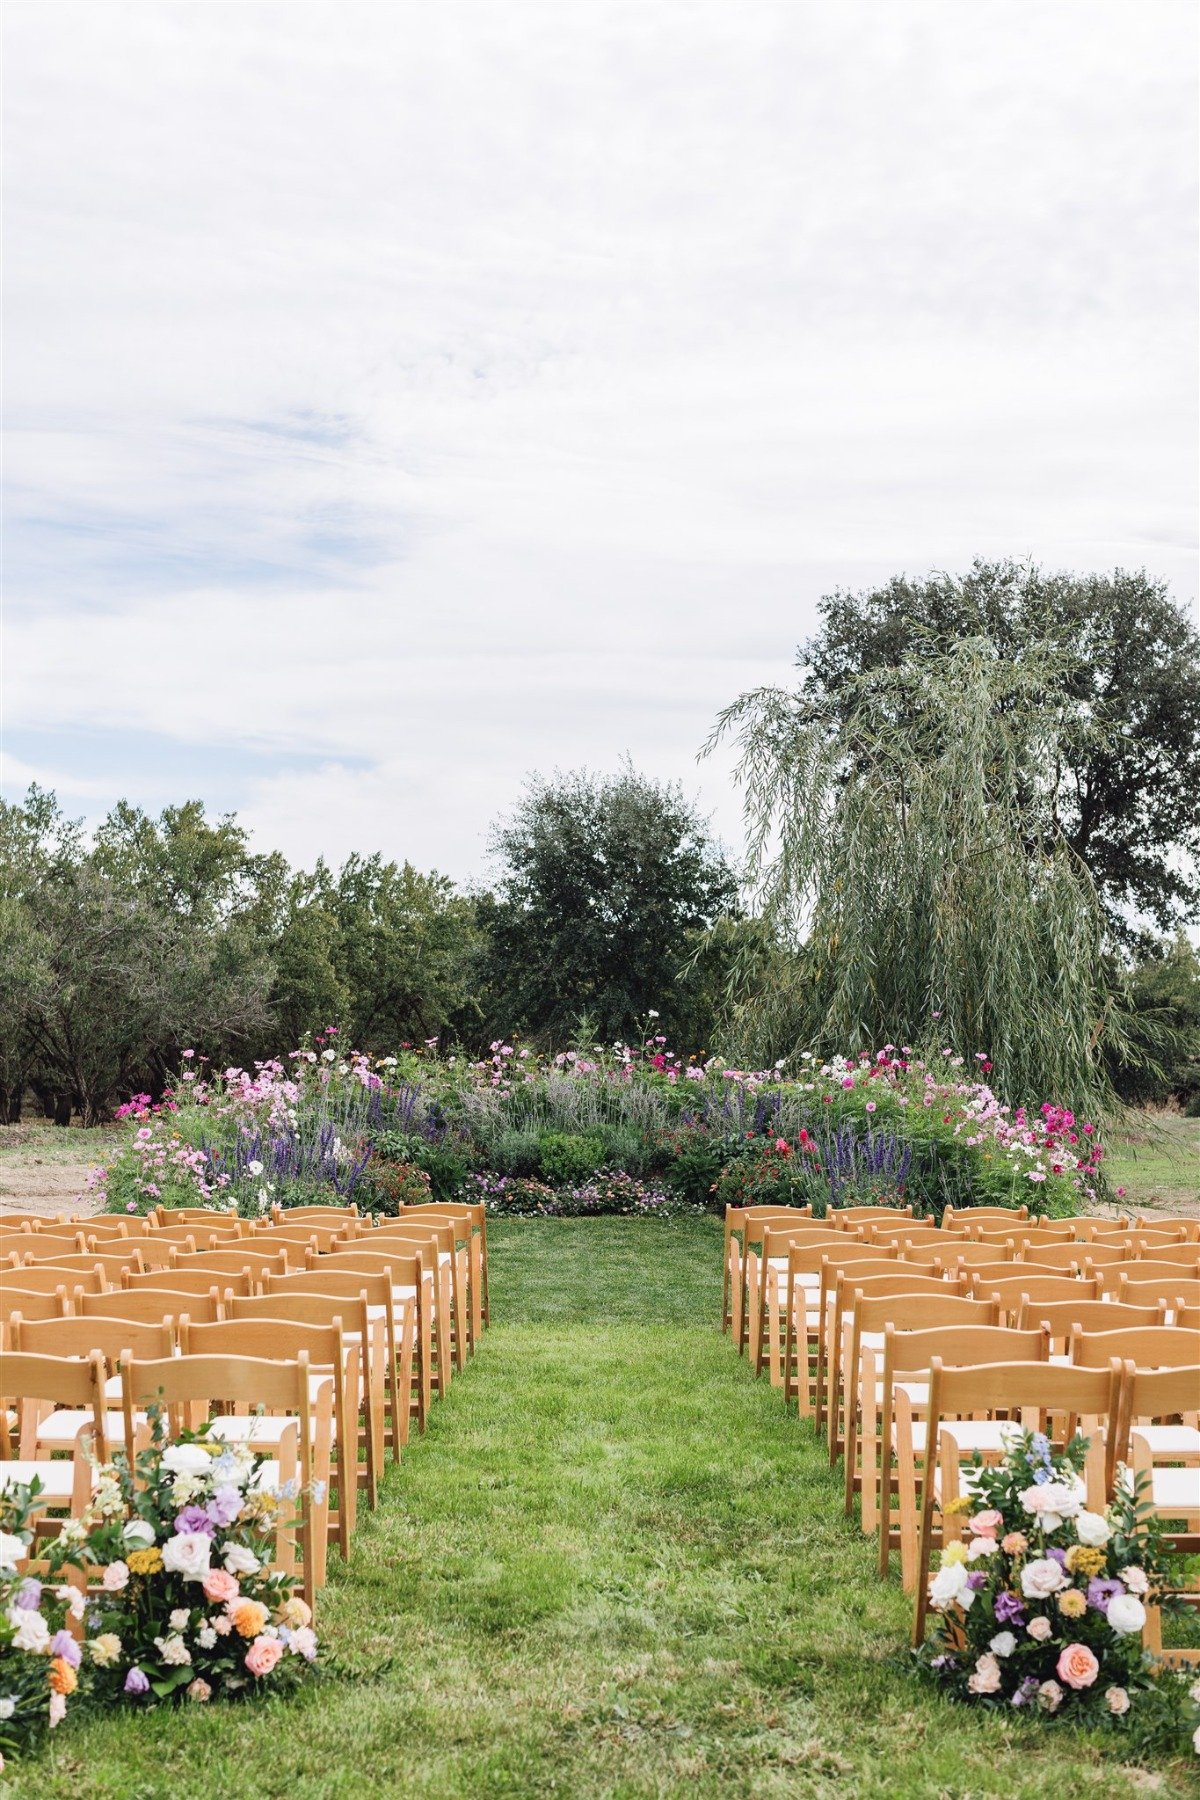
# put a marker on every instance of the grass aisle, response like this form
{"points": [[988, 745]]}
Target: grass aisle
{"points": [[614, 1567]]}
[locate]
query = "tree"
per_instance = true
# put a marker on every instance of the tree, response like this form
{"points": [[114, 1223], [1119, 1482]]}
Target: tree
{"points": [[605, 884], [1125, 783], [910, 863]]}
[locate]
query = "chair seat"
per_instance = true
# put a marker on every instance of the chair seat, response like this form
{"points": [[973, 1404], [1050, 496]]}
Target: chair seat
{"points": [[57, 1478], [969, 1434], [917, 1391], [1174, 1492], [60, 1429], [1170, 1440]]}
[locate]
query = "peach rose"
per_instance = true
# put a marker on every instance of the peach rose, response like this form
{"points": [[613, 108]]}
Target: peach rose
{"points": [[199, 1690], [1077, 1666], [249, 1617], [220, 1587], [1117, 1700], [263, 1654], [62, 1677], [1014, 1543]]}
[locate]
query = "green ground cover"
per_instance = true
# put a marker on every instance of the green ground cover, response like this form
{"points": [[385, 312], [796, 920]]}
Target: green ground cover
{"points": [[614, 1567], [1157, 1164]]}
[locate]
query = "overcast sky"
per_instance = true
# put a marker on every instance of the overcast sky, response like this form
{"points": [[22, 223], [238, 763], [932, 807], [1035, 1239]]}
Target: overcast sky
{"points": [[403, 398]]}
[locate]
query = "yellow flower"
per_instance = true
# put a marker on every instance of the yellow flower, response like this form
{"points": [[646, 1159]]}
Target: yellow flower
{"points": [[1082, 1559], [954, 1553], [964, 1504], [1072, 1604], [145, 1562]]}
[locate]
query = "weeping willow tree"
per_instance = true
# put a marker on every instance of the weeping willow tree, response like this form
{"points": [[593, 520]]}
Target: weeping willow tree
{"points": [[911, 880]]}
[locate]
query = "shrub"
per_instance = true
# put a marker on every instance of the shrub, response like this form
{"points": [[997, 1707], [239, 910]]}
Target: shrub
{"points": [[773, 1176], [445, 1161], [391, 1185], [568, 1159]]}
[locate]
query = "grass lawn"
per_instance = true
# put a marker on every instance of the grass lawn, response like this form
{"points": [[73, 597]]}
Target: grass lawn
{"points": [[613, 1567], [1158, 1165]]}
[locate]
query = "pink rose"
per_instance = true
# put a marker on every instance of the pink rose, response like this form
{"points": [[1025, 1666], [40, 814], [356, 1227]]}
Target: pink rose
{"points": [[1117, 1700], [115, 1577], [986, 1679], [985, 1524], [1039, 1629], [263, 1654], [220, 1587], [1077, 1666], [1135, 1579], [199, 1690]]}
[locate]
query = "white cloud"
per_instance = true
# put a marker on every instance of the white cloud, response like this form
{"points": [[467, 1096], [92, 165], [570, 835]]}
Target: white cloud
{"points": [[449, 392]]}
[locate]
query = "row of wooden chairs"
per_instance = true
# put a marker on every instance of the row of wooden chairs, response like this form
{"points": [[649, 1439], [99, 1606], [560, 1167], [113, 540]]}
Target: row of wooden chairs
{"points": [[381, 1315]]}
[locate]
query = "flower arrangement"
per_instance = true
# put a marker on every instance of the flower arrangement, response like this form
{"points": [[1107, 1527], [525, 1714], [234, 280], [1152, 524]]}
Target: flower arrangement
{"points": [[1042, 1604], [187, 1606], [40, 1655]]}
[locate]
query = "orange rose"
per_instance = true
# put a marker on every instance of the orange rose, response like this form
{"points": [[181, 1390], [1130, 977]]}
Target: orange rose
{"points": [[62, 1677], [1077, 1666], [248, 1616]]}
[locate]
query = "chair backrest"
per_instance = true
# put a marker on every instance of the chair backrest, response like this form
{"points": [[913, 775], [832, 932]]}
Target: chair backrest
{"points": [[955, 1218], [1011, 1290], [937, 1254], [805, 1259], [190, 1281], [39, 1246], [840, 1214], [300, 1215], [151, 1306], [108, 1338], [233, 1261], [919, 1311], [1087, 1231], [1182, 1256], [298, 1238], [350, 1310], [66, 1380], [1176, 1289], [1150, 1394], [31, 1304], [966, 1253], [35, 1280], [756, 1219], [408, 1264], [963, 1391], [193, 1216], [777, 1240], [116, 1225], [112, 1264], [877, 1231], [1062, 1316], [270, 1338], [1188, 1318], [899, 1280], [1146, 1346], [337, 1283], [440, 1232], [1067, 1257], [182, 1384]]}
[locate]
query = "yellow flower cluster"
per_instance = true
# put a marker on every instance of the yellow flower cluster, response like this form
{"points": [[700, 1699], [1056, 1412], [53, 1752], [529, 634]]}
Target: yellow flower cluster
{"points": [[955, 1508], [145, 1562], [955, 1552], [1082, 1559]]}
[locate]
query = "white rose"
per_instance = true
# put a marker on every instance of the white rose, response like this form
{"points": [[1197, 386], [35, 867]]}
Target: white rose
{"points": [[1041, 1578], [206, 1637], [12, 1550], [1039, 1629], [1125, 1614], [1003, 1644], [138, 1534], [187, 1554], [115, 1577], [1093, 1530], [950, 1587], [1138, 1582], [30, 1630], [240, 1561], [186, 1459]]}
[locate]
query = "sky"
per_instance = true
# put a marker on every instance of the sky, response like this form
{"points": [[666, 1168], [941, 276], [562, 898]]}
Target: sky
{"points": [[401, 399]]}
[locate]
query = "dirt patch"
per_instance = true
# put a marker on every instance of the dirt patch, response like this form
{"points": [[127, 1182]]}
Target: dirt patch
{"points": [[43, 1169]]}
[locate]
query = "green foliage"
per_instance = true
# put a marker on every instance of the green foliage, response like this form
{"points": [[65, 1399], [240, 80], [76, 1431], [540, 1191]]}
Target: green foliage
{"points": [[566, 1159], [606, 886], [770, 1178], [444, 1163], [1125, 662], [1161, 1060], [387, 1186], [910, 864]]}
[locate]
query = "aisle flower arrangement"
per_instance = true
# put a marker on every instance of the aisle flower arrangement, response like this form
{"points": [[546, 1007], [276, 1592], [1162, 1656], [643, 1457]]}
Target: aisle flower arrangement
{"points": [[40, 1654], [1042, 1603], [187, 1607]]}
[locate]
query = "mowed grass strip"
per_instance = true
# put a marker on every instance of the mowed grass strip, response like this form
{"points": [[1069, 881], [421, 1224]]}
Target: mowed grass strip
{"points": [[613, 1567]]}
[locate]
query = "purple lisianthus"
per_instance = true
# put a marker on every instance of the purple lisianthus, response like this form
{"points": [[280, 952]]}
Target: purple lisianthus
{"points": [[29, 1595], [194, 1518], [224, 1506], [978, 1580], [136, 1682], [1009, 1609], [1058, 1556], [944, 1662], [64, 1645], [1100, 1590], [1024, 1694]]}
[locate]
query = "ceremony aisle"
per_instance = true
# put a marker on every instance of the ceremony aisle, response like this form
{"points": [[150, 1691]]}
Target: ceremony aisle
{"points": [[613, 1567]]}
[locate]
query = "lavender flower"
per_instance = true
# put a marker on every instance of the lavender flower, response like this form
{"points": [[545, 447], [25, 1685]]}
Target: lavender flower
{"points": [[136, 1682]]}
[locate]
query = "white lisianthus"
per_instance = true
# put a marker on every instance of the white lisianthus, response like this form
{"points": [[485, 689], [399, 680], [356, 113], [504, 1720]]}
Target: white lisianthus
{"points": [[1093, 1530], [138, 1534], [1138, 1582], [1125, 1614], [187, 1554], [173, 1650], [1041, 1578], [981, 1546], [240, 1561], [115, 1577], [1003, 1644], [30, 1630], [12, 1550], [186, 1459]]}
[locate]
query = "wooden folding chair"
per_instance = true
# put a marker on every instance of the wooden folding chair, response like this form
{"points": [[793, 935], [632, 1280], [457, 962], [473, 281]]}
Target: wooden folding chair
{"points": [[1039, 1392], [839, 1286], [879, 1302], [471, 1234], [449, 1300], [188, 1389], [31, 1305], [771, 1287], [904, 1427], [54, 1430], [375, 1288], [334, 1375], [27, 1383], [1062, 1317], [961, 1218], [1146, 1347], [364, 1337], [1012, 1290], [1159, 1427], [744, 1227], [801, 1317], [1177, 1290], [412, 1277]]}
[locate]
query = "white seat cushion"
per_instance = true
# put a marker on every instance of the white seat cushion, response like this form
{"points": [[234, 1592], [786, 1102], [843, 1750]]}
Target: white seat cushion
{"points": [[60, 1429], [1169, 1440], [57, 1478]]}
